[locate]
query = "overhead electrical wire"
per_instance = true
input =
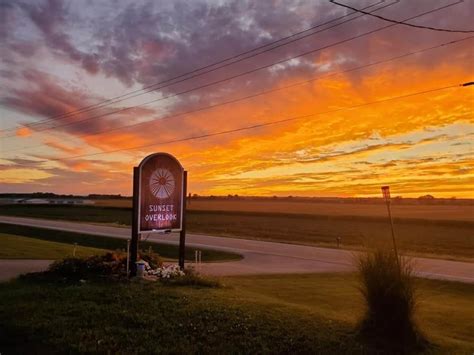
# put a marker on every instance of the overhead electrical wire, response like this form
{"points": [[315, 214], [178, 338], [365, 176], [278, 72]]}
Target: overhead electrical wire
{"points": [[271, 122], [189, 90], [246, 72], [255, 126], [171, 81], [400, 22], [368, 65]]}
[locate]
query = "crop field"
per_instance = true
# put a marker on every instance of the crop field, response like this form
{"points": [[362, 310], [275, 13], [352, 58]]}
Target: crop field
{"points": [[429, 212], [436, 212], [425, 238], [443, 238], [114, 203]]}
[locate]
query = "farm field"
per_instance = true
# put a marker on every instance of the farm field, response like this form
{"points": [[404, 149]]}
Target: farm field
{"points": [[414, 237], [441, 239], [436, 212], [259, 314]]}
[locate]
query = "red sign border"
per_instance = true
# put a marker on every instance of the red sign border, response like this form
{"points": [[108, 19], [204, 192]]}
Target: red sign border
{"points": [[183, 198]]}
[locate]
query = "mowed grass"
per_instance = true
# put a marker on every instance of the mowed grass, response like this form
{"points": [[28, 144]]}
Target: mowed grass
{"points": [[150, 318], [445, 310], [442, 239], [108, 243], [17, 247], [259, 314]]}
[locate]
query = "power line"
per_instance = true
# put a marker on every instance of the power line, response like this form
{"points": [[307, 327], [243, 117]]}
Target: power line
{"points": [[195, 88], [263, 92], [247, 72], [400, 22], [170, 81], [260, 125]]}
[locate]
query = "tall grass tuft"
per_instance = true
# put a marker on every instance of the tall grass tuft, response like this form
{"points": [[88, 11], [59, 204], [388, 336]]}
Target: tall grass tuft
{"points": [[389, 291]]}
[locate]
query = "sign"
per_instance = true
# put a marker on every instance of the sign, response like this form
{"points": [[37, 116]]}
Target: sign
{"points": [[161, 194], [159, 202]]}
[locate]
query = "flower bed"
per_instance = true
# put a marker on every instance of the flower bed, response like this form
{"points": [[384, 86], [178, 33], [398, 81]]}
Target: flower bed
{"points": [[165, 271]]}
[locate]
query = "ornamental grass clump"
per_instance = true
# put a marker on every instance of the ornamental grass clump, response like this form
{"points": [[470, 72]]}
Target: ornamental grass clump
{"points": [[388, 287]]}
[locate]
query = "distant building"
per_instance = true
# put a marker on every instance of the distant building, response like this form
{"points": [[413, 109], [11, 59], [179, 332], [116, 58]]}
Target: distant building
{"points": [[61, 201], [33, 201], [55, 201]]}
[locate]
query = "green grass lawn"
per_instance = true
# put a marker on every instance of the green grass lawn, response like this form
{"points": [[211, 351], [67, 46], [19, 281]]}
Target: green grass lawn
{"points": [[445, 310], [107, 243], [259, 314], [16, 247], [443, 239]]}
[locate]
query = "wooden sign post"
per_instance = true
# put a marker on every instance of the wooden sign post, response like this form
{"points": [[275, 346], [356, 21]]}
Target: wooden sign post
{"points": [[135, 236], [182, 234], [159, 202]]}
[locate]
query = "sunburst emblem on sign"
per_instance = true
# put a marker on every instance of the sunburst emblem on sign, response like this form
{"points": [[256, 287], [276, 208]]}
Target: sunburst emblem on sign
{"points": [[162, 183]]}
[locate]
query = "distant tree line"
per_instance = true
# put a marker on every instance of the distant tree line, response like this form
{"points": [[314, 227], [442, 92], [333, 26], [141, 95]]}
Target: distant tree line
{"points": [[49, 195], [422, 200]]}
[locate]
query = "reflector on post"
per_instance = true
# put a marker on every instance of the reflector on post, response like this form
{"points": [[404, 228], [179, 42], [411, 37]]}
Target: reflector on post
{"points": [[386, 196], [386, 192]]}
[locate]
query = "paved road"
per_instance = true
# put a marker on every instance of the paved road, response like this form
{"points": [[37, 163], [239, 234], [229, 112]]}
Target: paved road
{"points": [[262, 257]]}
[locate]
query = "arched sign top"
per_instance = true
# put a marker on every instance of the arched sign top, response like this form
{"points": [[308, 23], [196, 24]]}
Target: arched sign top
{"points": [[157, 155], [161, 193]]}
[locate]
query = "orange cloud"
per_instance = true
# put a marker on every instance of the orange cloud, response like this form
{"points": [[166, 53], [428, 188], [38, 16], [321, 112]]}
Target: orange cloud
{"points": [[331, 153], [23, 132], [81, 166], [15, 175], [63, 147]]}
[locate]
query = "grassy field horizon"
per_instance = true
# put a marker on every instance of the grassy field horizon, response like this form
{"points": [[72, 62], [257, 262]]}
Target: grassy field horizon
{"points": [[420, 211]]}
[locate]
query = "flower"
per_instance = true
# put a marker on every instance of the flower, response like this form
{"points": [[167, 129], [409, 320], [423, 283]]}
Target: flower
{"points": [[167, 272]]}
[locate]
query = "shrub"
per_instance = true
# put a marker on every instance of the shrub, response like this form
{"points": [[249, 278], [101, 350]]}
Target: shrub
{"points": [[111, 265], [89, 267], [389, 291]]}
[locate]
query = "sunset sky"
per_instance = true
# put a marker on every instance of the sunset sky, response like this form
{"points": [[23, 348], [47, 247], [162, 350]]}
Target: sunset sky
{"points": [[358, 127]]}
